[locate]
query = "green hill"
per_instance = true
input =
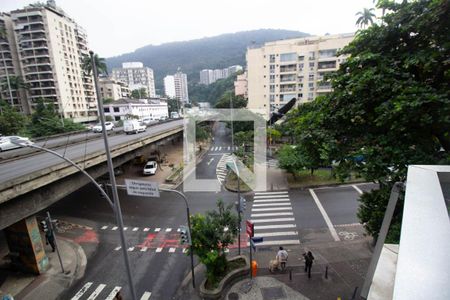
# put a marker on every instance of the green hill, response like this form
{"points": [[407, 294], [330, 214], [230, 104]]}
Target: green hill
{"points": [[207, 53]]}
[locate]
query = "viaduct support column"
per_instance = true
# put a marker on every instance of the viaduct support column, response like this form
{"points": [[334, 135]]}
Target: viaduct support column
{"points": [[26, 247]]}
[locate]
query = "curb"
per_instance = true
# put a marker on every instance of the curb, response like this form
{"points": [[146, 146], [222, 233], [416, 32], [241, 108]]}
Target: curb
{"points": [[314, 186]]}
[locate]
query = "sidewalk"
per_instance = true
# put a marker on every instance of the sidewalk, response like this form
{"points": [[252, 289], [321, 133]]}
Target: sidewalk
{"points": [[347, 264], [53, 282]]}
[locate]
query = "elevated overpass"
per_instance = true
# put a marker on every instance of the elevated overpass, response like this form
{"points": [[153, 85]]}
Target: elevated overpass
{"points": [[32, 183]]}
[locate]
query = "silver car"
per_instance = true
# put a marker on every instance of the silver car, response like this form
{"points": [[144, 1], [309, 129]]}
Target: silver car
{"points": [[6, 142]]}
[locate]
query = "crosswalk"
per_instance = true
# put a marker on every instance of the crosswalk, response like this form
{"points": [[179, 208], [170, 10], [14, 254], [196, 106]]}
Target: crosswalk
{"points": [[221, 169], [273, 219], [272, 163], [139, 229], [223, 148], [91, 291], [140, 249]]}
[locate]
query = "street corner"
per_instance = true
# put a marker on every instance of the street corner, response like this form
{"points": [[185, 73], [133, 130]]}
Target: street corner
{"points": [[350, 232]]}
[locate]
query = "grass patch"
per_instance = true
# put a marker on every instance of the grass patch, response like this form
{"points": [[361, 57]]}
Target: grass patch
{"points": [[320, 177], [231, 266], [231, 183]]}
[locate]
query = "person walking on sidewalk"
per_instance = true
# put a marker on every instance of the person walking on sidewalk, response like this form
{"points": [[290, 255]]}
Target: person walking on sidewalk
{"points": [[308, 262], [50, 239]]}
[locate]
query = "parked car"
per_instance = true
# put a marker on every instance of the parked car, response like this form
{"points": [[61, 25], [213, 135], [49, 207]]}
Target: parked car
{"points": [[150, 168], [174, 115], [133, 126], [148, 120], [6, 142], [108, 125]]}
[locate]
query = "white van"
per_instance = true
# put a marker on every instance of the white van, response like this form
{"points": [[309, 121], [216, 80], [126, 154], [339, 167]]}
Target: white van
{"points": [[133, 126]]}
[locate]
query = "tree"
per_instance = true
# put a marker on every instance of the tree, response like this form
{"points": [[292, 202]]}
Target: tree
{"points": [[229, 98], [140, 93], [173, 105], [12, 122], [99, 62], [289, 159], [211, 235], [365, 17], [390, 103]]}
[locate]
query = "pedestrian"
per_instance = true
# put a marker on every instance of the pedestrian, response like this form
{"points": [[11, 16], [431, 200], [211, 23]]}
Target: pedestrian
{"points": [[118, 296], [50, 239], [308, 262]]}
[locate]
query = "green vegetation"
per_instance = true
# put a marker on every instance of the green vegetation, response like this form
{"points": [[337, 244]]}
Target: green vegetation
{"points": [[193, 56], [99, 62], [213, 92], [139, 93], [365, 17], [211, 234], [12, 122], [320, 177], [390, 105], [228, 98]]}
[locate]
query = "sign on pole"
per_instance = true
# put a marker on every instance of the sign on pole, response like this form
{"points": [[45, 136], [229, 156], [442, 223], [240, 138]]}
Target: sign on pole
{"points": [[142, 188], [249, 228]]}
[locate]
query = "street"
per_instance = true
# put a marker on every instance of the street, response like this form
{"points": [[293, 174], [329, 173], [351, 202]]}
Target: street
{"points": [[281, 217]]}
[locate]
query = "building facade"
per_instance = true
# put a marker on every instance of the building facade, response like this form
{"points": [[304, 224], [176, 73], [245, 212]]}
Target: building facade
{"points": [[136, 76], [123, 109], [208, 76], [113, 89], [282, 70], [240, 85], [49, 47], [176, 86]]}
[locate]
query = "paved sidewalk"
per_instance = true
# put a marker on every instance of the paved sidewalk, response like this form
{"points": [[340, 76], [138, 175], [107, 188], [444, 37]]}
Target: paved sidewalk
{"points": [[53, 282]]}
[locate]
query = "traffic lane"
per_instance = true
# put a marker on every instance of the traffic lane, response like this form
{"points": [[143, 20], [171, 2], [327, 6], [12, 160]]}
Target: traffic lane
{"points": [[306, 212], [23, 166], [367, 187], [340, 203]]}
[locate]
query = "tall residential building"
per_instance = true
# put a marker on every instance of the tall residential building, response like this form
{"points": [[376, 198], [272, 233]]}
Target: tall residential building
{"points": [[136, 76], [208, 76], [113, 89], [49, 48], [176, 86], [240, 85], [282, 70]]}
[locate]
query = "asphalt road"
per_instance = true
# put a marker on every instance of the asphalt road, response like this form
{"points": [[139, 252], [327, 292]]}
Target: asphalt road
{"points": [[17, 168]]}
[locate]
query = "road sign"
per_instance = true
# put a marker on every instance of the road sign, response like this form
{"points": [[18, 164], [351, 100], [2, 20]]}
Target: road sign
{"points": [[142, 188], [249, 228], [257, 240]]}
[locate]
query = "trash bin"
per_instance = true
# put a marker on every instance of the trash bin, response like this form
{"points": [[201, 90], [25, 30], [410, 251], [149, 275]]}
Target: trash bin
{"points": [[254, 268]]}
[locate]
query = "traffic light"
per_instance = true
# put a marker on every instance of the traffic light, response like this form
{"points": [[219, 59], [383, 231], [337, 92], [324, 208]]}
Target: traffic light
{"points": [[185, 235]]}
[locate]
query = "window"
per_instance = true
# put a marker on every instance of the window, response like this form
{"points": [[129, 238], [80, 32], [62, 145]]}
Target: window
{"points": [[310, 96], [301, 58], [312, 55], [327, 53], [272, 88], [312, 64], [272, 78], [116, 109], [288, 56], [311, 77], [272, 58], [311, 85], [272, 69], [272, 98]]}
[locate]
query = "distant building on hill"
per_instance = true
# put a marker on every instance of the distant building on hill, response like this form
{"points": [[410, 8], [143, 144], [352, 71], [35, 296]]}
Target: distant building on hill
{"points": [[208, 76], [176, 86], [136, 76]]}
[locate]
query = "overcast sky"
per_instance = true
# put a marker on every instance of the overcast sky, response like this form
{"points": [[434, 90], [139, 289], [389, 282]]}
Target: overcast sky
{"points": [[115, 27]]}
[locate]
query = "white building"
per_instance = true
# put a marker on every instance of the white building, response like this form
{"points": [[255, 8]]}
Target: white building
{"points": [[49, 49], [282, 70], [113, 89], [136, 76], [208, 76], [123, 109], [176, 86], [169, 86]]}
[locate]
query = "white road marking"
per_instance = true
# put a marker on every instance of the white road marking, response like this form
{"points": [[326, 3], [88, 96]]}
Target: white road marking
{"points": [[271, 197], [275, 226], [273, 220], [125, 228], [97, 291], [146, 296], [157, 229], [158, 249], [168, 229], [281, 233], [172, 250], [273, 208], [185, 250], [272, 214], [130, 249], [220, 148], [228, 148], [143, 249], [114, 228], [117, 248], [283, 242], [357, 189], [325, 216], [135, 228], [82, 291], [272, 204], [146, 229], [104, 227], [210, 161], [271, 193], [271, 200], [113, 293]]}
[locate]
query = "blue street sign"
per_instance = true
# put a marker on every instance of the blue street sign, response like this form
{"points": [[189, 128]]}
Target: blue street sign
{"points": [[257, 240]]}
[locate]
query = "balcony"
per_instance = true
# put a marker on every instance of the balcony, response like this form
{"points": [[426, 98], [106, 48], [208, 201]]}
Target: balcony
{"points": [[327, 65], [287, 88], [288, 68], [324, 87]]}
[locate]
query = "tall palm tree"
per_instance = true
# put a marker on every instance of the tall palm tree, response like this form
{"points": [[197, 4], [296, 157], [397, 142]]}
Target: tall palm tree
{"points": [[4, 36], [15, 82], [365, 17], [99, 62]]}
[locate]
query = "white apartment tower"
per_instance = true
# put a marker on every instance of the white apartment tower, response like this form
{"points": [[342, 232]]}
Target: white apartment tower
{"points": [[282, 70], [176, 86], [51, 48], [136, 76]]}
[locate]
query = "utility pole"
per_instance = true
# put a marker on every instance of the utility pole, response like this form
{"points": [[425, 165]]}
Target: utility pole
{"points": [[237, 175]]}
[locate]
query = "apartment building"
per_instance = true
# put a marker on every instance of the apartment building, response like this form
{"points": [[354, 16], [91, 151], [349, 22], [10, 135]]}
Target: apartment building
{"points": [[240, 85], [176, 86], [122, 109], [50, 49], [113, 89], [282, 70], [208, 76], [136, 76]]}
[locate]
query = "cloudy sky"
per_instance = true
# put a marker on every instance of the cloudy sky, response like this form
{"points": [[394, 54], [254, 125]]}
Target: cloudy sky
{"points": [[115, 27]]}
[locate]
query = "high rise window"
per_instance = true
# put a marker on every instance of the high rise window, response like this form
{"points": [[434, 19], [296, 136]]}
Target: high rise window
{"points": [[272, 58], [288, 57]]}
